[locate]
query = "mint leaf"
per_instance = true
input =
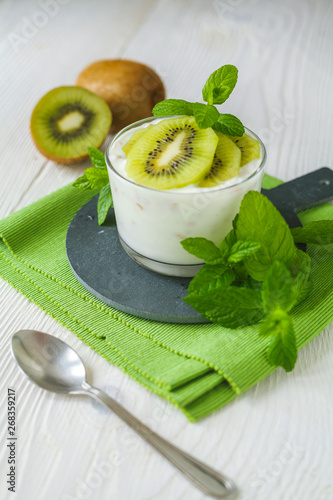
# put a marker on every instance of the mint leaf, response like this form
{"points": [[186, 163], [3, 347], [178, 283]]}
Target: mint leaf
{"points": [[97, 158], [104, 203], [231, 307], [282, 349], [202, 248], [170, 107], [228, 242], [97, 177], [243, 278], [204, 114], [83, 183], [242, 249], [300, 272], [302, 292], [258, 220], [229, 125], [277, 289], [211, 277], [220, 84], [318, 233], [248, 283]]}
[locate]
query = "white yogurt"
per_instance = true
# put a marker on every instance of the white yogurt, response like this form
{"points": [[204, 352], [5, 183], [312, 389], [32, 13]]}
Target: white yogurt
{"points": [[153, 222]]}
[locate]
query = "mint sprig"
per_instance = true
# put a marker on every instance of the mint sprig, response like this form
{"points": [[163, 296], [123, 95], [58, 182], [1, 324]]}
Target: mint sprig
{"points": [[96, 178], [216, 90], [257, 274]]}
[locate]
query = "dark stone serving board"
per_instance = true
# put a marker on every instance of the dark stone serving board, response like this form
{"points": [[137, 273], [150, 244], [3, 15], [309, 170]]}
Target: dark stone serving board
{"points": [[102, 266]]}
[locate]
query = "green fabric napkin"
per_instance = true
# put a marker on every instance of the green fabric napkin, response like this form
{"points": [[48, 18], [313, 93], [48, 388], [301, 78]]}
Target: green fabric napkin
{"points": [[198, 368]]}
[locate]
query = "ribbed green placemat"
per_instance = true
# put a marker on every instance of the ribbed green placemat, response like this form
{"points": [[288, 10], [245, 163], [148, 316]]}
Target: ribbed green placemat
{"points": [[198, 368]]}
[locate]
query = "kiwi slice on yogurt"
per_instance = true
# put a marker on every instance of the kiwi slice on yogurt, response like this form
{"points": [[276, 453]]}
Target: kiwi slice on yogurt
{"points": [[249, 147], [134, 137], [171, 154], [67, 120], [226, 162]]}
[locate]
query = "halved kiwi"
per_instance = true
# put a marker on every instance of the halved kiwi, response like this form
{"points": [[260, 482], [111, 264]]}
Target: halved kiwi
{"points": [[66, 121], [226, 162], [171, 154], [249, 147]]}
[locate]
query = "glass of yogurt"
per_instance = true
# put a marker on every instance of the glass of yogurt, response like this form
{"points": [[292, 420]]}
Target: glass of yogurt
{"points": [[151, 223]]}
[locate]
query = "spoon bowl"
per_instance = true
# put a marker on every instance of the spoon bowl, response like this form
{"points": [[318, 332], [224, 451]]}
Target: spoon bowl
{"points": [[48, 362]]}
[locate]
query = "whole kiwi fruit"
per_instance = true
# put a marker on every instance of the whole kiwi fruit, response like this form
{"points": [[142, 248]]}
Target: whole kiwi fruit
{"points": [[131, 89]]}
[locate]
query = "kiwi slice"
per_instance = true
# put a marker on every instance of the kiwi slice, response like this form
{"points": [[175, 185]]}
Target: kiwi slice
{"points": [[226, 162], [66, 121], [250, 148], [134, 137], [171, 154]]}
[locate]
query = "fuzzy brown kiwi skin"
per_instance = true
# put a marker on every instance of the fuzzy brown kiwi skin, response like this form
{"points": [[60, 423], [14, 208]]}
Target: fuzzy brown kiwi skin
{"points": [[117, 81], [57, 159]]}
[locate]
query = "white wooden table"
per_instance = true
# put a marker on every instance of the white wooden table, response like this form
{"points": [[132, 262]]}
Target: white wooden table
{"points": [[276, 440]]}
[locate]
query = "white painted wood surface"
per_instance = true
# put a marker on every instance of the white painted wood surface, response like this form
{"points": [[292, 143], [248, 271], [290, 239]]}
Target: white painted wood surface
{"points": [[276, 440]]}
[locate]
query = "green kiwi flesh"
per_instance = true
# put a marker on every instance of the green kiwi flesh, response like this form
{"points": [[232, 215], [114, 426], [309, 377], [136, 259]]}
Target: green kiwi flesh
{"points": [[249, 147], [138, 133], [67, 120], [173, 153], [226, 162]]}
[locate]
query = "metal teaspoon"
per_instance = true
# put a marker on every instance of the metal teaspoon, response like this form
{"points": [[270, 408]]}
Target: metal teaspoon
{"points": [[55, 366]]}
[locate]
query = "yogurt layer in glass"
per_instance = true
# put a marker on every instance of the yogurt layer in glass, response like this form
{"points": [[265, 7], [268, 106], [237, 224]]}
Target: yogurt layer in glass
{"points": [[151, 223]]}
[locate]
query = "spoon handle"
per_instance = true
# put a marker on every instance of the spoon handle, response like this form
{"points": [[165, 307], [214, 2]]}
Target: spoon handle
{"points": [[208, 480]]}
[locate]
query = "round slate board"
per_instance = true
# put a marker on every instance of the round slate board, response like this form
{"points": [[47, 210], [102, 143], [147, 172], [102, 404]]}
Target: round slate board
{"points": [[103, 267]]}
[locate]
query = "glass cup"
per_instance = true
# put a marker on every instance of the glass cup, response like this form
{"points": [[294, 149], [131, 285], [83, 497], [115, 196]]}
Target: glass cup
{"points": [[151, 223]]}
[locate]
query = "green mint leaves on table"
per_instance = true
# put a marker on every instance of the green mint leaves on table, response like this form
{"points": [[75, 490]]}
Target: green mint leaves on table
{"points": [[216, 90], [96, 178], [257, 274]]}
